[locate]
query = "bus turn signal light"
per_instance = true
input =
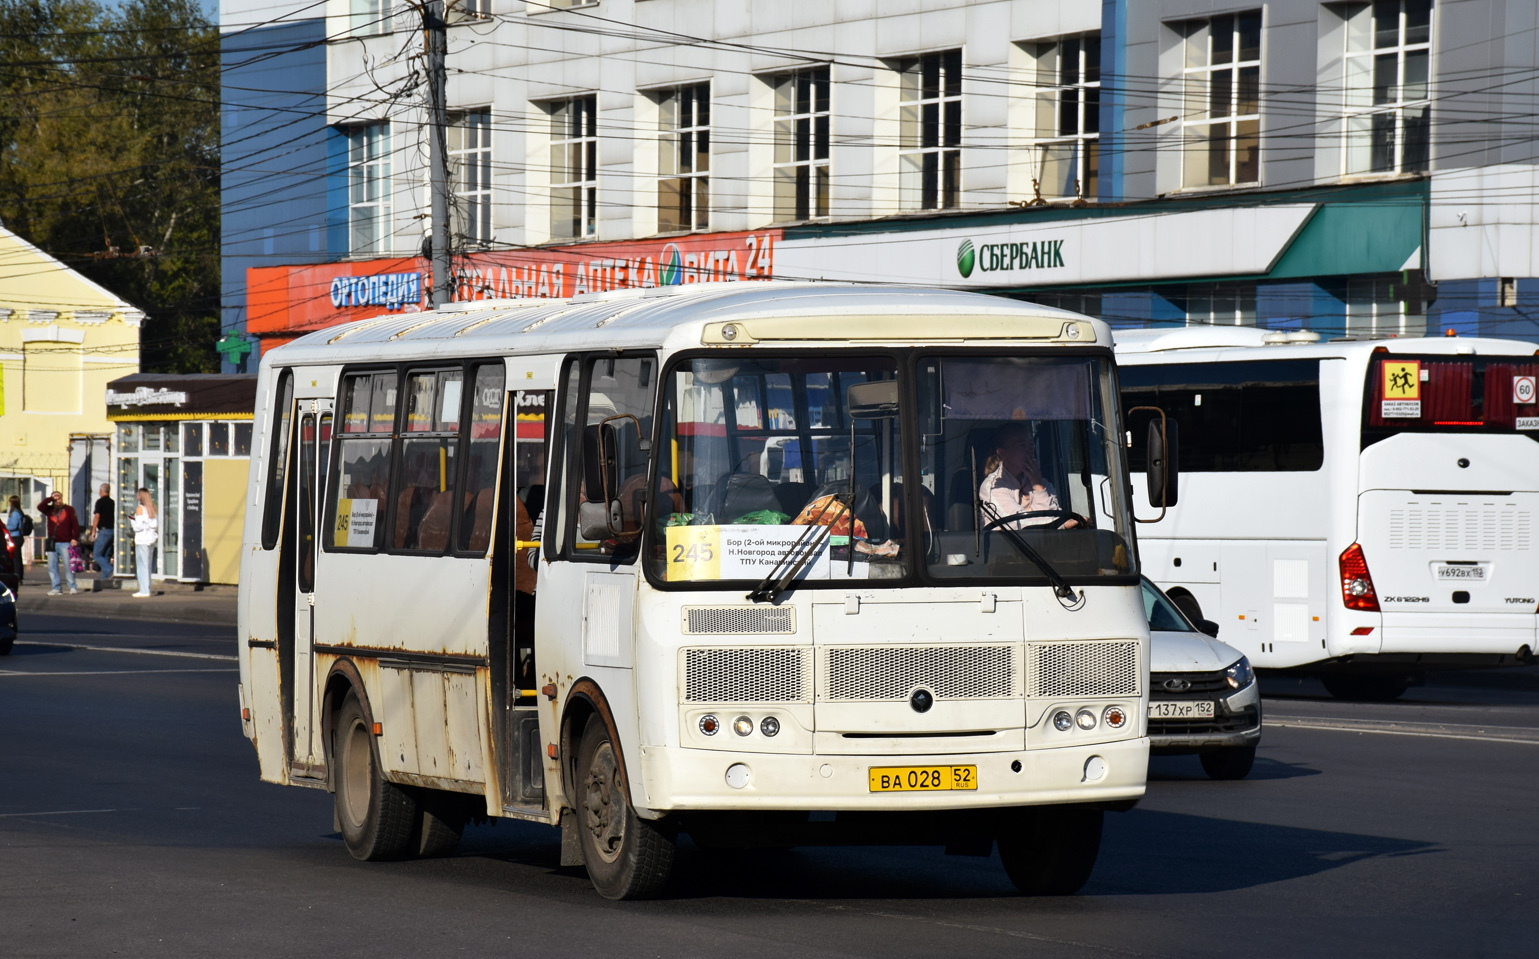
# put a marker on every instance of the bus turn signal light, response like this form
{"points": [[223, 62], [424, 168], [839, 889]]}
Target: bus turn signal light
{"points": [[1362, 631], [1356, 585], [379, 730]]}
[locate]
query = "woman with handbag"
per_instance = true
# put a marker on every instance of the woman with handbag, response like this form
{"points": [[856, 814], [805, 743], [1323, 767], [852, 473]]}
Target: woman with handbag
{"points": [[146, 534]]}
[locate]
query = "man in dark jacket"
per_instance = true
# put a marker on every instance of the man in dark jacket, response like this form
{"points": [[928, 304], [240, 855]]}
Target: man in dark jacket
{"points": [[63, 532]]}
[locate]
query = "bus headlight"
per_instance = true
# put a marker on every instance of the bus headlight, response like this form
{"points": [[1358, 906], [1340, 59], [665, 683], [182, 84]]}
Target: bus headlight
{"points": [[743, 726], [1240, 674], [1085, 718], [770, 726], [1062, 721]]}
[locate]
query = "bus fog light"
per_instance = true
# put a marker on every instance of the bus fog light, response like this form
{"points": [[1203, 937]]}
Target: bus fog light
{"points": [[1085, 718], [1095, 769], [770, 726], [1062, 721], [1115, 717], [737, 775], [710, 725], [743, 726]]}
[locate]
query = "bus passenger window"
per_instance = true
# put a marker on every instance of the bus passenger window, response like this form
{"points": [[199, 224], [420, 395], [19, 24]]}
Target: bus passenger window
{"points": [[619, 422], [277, 461], [424, 498], [355, 506], [486, 399]]}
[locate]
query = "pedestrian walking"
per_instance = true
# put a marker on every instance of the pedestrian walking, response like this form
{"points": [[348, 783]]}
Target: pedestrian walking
{"points": [[101, 527], [146, 534], [17, 526], [63, 531]]}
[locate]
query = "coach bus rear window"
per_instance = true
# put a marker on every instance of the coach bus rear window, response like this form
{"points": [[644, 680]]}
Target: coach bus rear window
{"points": [[1450, 394]]}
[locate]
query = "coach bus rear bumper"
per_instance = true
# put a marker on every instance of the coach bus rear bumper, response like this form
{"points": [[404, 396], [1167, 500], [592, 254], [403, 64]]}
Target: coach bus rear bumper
{"points": [[695, 779], [1429, 632]]}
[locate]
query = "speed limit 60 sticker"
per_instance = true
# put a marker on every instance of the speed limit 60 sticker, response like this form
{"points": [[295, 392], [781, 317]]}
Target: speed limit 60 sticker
{"points": [[1523, 389]]}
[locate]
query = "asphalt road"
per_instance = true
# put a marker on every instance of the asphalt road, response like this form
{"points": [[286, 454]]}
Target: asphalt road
{"points": [[132, 823]]}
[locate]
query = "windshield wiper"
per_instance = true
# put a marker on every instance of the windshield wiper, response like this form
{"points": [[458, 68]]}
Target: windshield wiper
{"points": [[1060, 585], [804, 550]]}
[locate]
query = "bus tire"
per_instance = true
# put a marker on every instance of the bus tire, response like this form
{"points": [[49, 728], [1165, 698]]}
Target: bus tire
{"points": [[1231, 762], [1051, 850], [1366, 688], [627, 857], [5, 646], [440, 823], [375, 815]]}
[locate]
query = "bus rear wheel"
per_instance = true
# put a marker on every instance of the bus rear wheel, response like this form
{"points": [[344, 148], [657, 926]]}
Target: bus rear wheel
{"points": [[1366, 688], [377, 816], [1051, 850], [627, 857]]}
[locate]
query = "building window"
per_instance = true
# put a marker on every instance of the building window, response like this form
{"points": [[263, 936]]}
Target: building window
{"points": [[1378, 305], [462, 11], [470, 165], [369, 17], [1222, 116], [1388, 110], [1221, 304], [1068, 122], [574, 168], [801, 144], [930, 131], [684, 159], [368, 178]]}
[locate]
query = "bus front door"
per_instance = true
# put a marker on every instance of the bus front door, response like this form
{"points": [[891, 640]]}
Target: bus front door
{"points": [[314, 441]]}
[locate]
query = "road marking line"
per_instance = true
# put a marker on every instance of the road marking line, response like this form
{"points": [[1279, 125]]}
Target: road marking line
{"points": [[1345, 728], [54, 812], [127, 649], [110, 672]]}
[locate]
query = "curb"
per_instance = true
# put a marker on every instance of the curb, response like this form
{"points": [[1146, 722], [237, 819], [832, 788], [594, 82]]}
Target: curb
{"points": [[217, 611]]}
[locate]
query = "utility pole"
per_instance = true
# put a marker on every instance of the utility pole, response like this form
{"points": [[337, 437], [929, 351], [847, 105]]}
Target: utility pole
{"points": [[436, 42]]}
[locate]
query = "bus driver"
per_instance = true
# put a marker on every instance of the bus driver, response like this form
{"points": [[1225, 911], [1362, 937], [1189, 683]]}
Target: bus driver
{"points": [[1014, 482]]}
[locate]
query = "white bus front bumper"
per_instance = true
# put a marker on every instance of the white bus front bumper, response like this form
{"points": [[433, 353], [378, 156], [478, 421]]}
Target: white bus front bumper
{"points": [[675, 779]]}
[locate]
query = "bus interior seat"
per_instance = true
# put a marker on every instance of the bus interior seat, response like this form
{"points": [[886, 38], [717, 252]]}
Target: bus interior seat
{"points": [[433, 529], [406, 512], [738, 494], [479, 516]]}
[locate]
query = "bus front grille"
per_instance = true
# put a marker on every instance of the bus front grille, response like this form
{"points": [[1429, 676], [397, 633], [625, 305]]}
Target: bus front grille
{"points": [[746, 675], [1091, 668], [892, 673], [739, 620]]}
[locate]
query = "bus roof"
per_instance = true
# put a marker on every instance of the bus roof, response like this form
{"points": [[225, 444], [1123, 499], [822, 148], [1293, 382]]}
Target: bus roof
{"points": [[678, 317], [1189, 344]]}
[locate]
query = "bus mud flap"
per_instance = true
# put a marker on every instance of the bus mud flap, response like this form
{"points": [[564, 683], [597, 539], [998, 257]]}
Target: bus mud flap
{"points": [[571, 846]]}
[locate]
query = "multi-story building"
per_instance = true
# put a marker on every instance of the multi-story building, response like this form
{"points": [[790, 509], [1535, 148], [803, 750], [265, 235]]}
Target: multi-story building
{"points": [[1352, 168]]}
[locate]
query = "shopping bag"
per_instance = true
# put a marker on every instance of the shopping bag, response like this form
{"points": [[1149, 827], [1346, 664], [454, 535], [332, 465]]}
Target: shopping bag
{"points": [[77, 562]]}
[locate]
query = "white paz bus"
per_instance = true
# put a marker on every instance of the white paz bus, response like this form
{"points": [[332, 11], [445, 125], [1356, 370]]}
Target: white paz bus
{"points": [[1360, 510], [524, 559]]}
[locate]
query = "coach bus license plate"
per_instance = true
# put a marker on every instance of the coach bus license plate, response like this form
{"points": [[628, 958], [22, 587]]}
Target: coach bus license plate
{"points": [[1180, 710], [904, 779], [1448, 573]]}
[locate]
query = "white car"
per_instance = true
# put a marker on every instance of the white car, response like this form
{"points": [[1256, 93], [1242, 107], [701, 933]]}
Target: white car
{"points": [[1203, 696]]}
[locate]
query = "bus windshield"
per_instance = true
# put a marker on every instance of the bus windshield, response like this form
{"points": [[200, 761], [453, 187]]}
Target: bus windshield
{"points": [[765, 460], [1459, 394]]}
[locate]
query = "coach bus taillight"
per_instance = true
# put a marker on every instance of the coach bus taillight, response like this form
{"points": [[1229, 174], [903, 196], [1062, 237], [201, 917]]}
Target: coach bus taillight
{"points": [[1356, 585]]}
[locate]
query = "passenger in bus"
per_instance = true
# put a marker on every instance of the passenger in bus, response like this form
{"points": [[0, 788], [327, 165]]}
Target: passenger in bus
{"points": [[1013, 481]]}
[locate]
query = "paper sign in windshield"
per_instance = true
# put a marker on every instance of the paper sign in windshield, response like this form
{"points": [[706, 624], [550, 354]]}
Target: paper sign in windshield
{"points": [[697, 553], [1402, 389], [355, 522]]}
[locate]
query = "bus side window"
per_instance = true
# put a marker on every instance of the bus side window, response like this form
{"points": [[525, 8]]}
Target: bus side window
{"points": [[488, 384], [277, 460], [424, 495], [618, 420], [357, 486]]}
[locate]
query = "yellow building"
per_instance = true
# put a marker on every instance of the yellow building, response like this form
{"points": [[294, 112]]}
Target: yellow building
{"points": [[62, 339]]}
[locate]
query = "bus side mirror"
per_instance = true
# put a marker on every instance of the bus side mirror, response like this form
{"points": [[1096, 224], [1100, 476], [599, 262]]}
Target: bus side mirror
{"points": [[1162, 459]]}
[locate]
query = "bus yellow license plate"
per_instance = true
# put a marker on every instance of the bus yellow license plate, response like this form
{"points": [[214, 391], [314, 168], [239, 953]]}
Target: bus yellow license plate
{"points": [[906, 779]]}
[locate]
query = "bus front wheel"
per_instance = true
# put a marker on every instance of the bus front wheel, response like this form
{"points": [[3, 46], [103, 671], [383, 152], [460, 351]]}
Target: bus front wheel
{"points": [[627, 857], [1051, 850], [377, 816]]}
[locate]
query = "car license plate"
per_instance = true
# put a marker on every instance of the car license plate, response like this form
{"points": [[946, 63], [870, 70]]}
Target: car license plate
{"points": [[905, 779], [1447, 573], [1168, 710]]}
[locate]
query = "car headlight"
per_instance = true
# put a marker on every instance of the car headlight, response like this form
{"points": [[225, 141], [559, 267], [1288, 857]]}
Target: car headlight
{"points": [[6, 596], [1240, 674]]}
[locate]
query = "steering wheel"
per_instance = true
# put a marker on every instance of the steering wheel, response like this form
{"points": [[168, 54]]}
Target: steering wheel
{"points": [[1063, 516]]}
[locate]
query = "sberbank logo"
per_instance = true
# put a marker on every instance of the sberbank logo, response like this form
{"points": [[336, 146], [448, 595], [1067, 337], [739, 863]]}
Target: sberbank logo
{"points": [[965, 258], [670, 266]]}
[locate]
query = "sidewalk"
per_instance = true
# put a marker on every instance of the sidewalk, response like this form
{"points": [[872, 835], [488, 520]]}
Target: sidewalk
{"points": [[171, 602]]}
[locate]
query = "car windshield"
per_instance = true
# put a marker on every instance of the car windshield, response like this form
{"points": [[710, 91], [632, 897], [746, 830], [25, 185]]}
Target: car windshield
{"points": [[1020, 467], [762, 453], [1162, 613]]}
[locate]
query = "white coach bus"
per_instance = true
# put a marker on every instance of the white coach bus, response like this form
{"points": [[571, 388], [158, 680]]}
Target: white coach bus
{"points": [[680, 643], [1360, 510]]}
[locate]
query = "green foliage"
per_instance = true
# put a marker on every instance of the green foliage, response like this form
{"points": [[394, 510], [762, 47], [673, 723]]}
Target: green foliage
{"points": [[109, 157]]}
